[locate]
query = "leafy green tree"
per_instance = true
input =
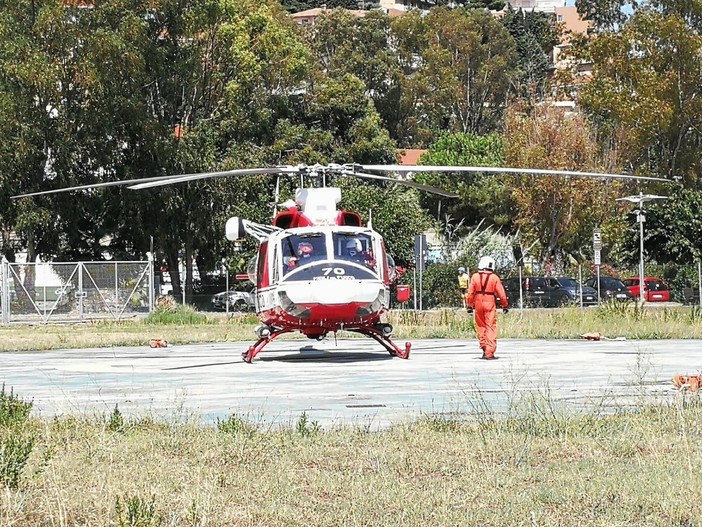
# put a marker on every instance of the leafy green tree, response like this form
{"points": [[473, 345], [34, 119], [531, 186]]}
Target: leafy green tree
{"points": [[295, 6], [480, 196], [606, 15], [38, 119], [535, 34], [645, 94], [672, 232], [449, 70], [463, 64], [364, 48]]}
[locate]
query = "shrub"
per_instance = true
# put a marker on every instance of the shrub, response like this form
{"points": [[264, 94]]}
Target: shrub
{"points": [[172, 313], [235, 425], [440, 286], [135, 511], [116, 421], [13, 411], [14, 452]]}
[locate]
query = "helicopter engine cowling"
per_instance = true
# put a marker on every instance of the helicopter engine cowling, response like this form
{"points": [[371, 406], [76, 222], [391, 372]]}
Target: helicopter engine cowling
{"points": [[234, 228]]}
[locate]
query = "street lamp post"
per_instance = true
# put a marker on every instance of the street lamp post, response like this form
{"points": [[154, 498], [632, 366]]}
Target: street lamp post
{"points": [[641, 218]]}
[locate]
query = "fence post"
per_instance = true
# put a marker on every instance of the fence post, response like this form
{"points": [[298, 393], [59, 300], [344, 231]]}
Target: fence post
{"points": [[521, 295], [152, 283], [5, 293], [80, 291]]}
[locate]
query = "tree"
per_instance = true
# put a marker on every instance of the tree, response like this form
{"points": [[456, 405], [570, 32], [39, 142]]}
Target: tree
{"points": [[451, 70], [481, 196], [295, 6], [606, 15], [535, 34], [466, 67], [673, 230], [558, 213], [38, 121], [645, 94]]}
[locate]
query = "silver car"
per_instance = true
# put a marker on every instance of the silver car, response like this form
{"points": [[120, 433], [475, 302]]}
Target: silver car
{"points": [[237, 301]]}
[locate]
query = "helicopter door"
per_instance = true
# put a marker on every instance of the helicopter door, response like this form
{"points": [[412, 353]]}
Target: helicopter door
{"points": [[262, 276], [275, 277]]}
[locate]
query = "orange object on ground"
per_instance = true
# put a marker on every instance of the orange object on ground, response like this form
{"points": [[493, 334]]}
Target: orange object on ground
{"points": [[158, 343], [483, 289], [591, 336], [688, 382]]}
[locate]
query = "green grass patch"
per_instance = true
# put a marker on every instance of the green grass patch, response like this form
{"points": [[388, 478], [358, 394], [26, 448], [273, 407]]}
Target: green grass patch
{"points": [[169, 314]]}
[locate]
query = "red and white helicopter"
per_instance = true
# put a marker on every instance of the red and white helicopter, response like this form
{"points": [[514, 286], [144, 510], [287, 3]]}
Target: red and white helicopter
{"points": [[319, 269]]}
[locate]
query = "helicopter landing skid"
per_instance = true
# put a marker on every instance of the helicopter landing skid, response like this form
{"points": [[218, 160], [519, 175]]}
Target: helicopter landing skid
{"points": [[384, 340], [257, 346]]}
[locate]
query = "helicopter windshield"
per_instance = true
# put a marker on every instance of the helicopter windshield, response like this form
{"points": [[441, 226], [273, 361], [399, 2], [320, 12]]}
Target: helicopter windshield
{"points": [[354, 247], [298, 250], [301, 249]]}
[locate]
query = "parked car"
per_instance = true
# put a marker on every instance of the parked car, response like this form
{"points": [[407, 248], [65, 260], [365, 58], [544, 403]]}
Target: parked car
{"points": [[237, 300], [539, 291], [573, 287], [610, 288], [655, 289]]}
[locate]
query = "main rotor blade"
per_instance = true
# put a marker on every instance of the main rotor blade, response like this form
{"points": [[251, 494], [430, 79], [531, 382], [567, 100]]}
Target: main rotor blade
{"points": [[93, 185], [157, 181], [207, 175], [413, 184], [505, 170]]}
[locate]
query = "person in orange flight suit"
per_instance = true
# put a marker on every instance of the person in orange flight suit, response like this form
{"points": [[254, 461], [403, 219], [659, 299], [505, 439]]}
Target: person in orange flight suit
{"points": [[484, 289]]}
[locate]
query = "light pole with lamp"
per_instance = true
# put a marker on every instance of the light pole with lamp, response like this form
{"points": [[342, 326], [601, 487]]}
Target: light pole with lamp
{"points": [[641, 218]]}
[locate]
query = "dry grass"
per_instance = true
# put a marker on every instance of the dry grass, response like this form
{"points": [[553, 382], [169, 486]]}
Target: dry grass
{"points": [[537, 465], [612, 321], [619, 320], [629, 469]]}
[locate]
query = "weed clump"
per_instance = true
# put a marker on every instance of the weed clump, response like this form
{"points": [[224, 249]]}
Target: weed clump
{"points": [[13, 411], [172, 313], [15, 445], [135, 511]]}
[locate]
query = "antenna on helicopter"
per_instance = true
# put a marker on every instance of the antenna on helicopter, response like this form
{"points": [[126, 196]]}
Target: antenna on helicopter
{"points": [[276, 195]]}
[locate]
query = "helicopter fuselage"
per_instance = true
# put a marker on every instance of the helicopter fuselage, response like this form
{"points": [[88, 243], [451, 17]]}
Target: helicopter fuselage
{"points": [[309, 280]]}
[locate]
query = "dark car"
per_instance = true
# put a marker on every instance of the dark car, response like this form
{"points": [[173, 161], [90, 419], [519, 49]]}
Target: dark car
{"points": [[573, 287], [610, 288], [539, 291], [655, 289]]}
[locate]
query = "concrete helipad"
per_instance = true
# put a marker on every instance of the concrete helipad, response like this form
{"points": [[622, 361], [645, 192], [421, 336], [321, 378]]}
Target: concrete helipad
{"points": [[349, 381]]}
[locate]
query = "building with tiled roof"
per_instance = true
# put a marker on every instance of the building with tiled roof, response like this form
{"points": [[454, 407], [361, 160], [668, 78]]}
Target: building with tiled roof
{"points": [[308, 17], [410, 156]]}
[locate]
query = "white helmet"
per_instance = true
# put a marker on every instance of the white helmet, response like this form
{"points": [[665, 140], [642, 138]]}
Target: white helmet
{"points": [[461, 269], [354, 245], [487, 262]]}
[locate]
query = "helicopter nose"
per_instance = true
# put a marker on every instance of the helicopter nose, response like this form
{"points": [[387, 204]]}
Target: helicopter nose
{"points": [[338, 292], [291, 307], [374, 307]]}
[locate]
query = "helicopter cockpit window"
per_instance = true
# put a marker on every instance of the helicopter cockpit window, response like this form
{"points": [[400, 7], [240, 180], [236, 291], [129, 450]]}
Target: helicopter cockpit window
{"points": [[298, 250], [354, 247]]}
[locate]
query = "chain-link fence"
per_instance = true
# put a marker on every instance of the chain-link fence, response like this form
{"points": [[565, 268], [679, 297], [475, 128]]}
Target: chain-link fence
{"points": [[76, 291]]}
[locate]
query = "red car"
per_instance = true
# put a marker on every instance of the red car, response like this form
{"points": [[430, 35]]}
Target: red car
{"points": [[655, 289]]}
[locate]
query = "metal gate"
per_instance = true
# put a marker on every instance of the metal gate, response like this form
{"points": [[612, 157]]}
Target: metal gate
{"points": [[76, 292]]}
